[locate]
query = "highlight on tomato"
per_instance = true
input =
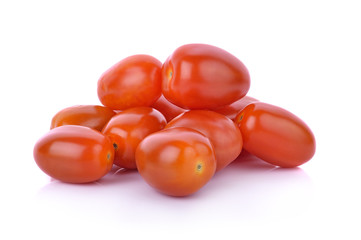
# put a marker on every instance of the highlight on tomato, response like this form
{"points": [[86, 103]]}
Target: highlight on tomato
{"points": [[176, 161], [275, 135], [74, 154]]}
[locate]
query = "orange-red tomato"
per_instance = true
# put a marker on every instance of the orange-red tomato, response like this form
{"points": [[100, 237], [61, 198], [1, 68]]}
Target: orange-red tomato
{"points": [[221, 131], [176, 161], [74, 154], [128, 128], [275, 135], [200, 76], [168, 109], [92, 116], [133, 82], [233, 109]]}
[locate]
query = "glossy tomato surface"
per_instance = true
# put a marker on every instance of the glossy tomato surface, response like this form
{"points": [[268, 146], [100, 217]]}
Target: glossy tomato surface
{"points": [[176, 161], [221, 131], [233, 109], [128, 128], [275, 135], [200, 76], [133, 82], [168, 109], [92, 116], [74, 154]]}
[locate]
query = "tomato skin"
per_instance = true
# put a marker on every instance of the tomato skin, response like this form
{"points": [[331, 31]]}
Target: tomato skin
{"points": [[74, 154], [133, 82], [233, 109], [275, 135], [168, 109], [176, 161], [92, 116], [223, 133], [128, 128], [200, 76]]}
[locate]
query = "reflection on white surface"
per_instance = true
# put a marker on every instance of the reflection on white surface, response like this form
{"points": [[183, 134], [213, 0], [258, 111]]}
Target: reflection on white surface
{"points": [[247, 190]]}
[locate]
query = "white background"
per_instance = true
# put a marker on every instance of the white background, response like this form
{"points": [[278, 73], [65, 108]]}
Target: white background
{"points": [[304, 56]]}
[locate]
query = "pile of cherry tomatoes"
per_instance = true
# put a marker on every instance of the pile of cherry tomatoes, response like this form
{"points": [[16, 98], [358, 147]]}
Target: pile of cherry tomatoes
{"points": [[176, 123]]}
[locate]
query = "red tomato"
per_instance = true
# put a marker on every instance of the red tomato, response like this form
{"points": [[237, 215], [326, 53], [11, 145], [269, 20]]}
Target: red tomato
{"points": [[128, 128], [176, 161], [133, 82], [275, 135], [221, 131], [92, 116], [74, 154], [200, 76], [168, 109], [233, 109]]}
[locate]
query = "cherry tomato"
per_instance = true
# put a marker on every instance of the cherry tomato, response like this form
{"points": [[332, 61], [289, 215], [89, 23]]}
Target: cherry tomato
{"points": [[200, 76], [128, 128], [221, 131], [74, 154], [233, 109], [176, 161], [275, 135], [92, 116], [133, 82], [168, 109]]}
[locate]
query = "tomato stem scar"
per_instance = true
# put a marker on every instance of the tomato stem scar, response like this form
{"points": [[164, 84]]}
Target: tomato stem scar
{"points": [[115, 146], [199, 167], [240, 118], [170, 75]]}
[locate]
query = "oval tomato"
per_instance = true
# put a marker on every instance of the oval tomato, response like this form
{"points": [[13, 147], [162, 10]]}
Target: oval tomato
{"points": [[168, 109], [200, 76], [128, 128], [275, 135], [74, 154], [221, 131], [233, 109], [92, 116], [133, 82], [176, 161]]}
